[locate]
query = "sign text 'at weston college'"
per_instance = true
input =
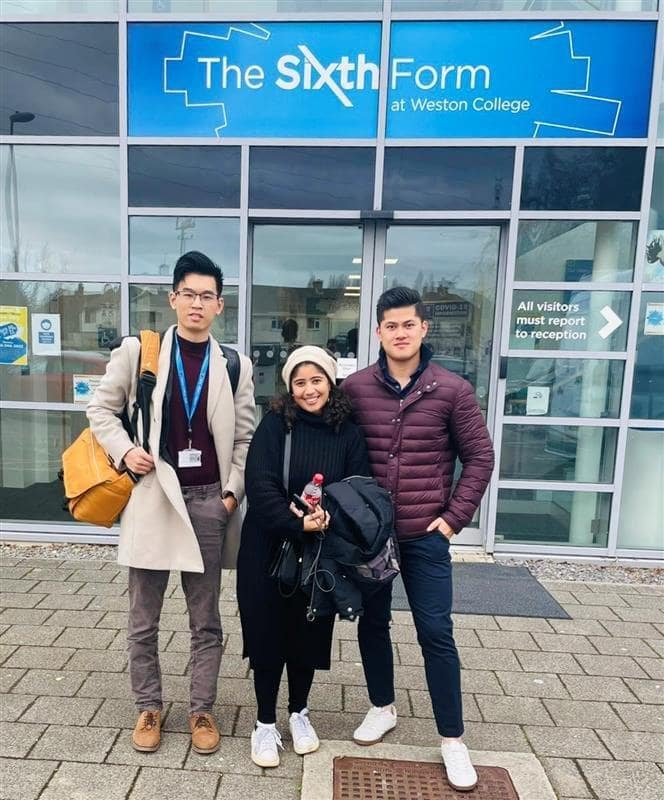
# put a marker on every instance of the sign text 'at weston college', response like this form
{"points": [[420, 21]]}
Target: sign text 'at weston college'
{"points": [[445, 79]]}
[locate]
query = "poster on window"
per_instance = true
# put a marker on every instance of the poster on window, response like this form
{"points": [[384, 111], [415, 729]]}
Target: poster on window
{"points": [[654, 321], [45, 334], [14, 335]]}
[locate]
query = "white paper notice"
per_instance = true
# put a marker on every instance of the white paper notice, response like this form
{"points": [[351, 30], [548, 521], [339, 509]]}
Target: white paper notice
{"points": [[537, 401], [45, 334], [84, 387], [346, 367], [654, 322]]}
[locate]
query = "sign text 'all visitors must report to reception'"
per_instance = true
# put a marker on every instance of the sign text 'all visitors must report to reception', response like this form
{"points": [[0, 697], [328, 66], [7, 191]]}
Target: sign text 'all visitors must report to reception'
{"points": [[450, 79]]}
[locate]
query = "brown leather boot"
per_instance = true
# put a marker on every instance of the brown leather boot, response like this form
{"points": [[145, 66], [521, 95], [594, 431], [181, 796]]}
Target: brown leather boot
{"points": [[147, 734], [204, 733]]}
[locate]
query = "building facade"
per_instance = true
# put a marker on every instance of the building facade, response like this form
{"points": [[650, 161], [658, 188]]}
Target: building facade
{"points": [[504, 157]]}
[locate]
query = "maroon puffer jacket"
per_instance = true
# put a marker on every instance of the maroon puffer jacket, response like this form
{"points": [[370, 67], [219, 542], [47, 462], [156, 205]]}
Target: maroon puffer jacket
{"points": [[413, 443]]}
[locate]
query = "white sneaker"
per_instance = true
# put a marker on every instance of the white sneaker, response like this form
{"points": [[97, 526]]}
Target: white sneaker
{"points": [[303, 733], [461, 774], [377, 722], [265, 741]]}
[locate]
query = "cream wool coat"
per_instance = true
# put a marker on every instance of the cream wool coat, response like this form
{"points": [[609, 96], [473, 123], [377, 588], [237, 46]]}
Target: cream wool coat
{"points": [[155, 529]]}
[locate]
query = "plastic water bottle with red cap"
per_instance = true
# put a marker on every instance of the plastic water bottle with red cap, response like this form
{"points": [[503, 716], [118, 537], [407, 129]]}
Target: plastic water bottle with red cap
{"points": [[313, 491]]}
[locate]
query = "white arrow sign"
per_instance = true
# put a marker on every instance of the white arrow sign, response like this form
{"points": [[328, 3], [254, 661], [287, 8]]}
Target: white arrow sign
{"points": [[613, 322]]}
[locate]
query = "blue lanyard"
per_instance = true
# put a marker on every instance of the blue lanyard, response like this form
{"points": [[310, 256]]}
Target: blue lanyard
{"points": [[190, 410]]}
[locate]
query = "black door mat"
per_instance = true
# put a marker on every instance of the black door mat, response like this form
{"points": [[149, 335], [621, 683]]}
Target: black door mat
{"points": [[383, 779], [493, 589]]}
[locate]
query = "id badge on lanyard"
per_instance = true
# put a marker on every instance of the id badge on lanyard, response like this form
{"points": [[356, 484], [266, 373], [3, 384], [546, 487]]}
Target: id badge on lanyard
{"points": [[190, 456]]}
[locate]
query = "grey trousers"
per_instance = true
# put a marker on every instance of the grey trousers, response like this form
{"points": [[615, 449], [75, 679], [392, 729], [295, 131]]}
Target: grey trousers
{"points": [[146, 596]]}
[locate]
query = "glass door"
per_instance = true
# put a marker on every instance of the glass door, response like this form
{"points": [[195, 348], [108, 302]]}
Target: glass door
{"points": [[455, 269]]}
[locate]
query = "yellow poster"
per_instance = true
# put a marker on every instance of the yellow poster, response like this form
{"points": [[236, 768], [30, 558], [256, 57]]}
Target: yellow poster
{"points": [[13, 335]]}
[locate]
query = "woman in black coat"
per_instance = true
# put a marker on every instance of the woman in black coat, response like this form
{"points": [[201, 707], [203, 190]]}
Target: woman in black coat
{"points": [[275, 628]]}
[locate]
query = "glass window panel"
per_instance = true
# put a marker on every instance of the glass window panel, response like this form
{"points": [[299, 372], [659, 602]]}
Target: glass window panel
{"points": [[60, 7], [648, 384], [156, 243], [582, 178], [523, 5], [641, 524], [654, 270], [183, 176], [561, 250], [563, 387], [306, 290], [311, 177], [546, 517], [448, 178], [454, 267], [31, 445], [89, 317], [558, 453], [63, 75], [149, 308], [257, 6], [567, 319], [62, 209], [660, 121]]}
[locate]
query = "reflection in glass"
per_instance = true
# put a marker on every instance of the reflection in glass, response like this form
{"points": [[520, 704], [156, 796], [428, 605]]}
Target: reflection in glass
{"points": [[184, 176], [31, 445], [558, 453], [561, 250], [62, 209], [311, 177], [448, 178], [257, 6], [454, 268], [542, 516], [648, 384], [523, 5], [563, 387], [149, 308], [60, 7], [641, 524], [65, 74], [89, 320], [306, 290], [156, 243], [654, 270], [565, 319], [582, 178]]}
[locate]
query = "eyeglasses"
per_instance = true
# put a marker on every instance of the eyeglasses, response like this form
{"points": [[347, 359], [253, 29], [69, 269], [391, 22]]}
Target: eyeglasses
{"points": [[189, 296]]}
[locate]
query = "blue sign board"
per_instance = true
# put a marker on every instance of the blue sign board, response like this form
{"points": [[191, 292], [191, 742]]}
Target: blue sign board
{"points": [[451, 79], [282, 80], [520, 79]]}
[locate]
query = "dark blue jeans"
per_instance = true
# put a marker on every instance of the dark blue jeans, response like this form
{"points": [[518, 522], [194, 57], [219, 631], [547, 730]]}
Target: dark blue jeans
{"points": [[426, 569]]}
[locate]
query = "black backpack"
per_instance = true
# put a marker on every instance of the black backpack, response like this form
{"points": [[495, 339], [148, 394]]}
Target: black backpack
{"points": [[362, 524]]}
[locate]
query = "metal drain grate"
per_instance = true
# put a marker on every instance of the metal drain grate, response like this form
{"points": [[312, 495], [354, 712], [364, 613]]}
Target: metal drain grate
{"points": [[383, 779]]}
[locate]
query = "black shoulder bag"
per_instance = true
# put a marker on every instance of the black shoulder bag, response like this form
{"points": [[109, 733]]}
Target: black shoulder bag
{"points": [[286, 566]]}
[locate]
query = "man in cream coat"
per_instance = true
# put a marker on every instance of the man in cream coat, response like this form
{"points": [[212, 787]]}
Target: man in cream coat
{"points": [[182, 512]]}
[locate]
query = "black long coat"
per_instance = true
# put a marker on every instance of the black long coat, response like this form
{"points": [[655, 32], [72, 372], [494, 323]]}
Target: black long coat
{"points": [[275, 629]]}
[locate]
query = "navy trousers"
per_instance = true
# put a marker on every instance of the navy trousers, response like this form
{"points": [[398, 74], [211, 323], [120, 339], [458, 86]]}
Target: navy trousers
{"points": [[426, 569]]}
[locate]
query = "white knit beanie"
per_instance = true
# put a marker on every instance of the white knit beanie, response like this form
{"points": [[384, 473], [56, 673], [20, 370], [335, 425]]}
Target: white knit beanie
{"points": [[313, 354]]}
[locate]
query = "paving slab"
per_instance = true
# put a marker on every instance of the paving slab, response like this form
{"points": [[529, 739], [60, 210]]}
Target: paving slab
{"points": [[532, 684], [171, 754], [268, 787], [623, 780], [13, 705], [84, 781], [525, 770], [171, 784], [24, 780], [517, 710], [548, 662], [30, 635], [583, 714], [97, 639], [9, 678], [653, 666], [18, 599], [565, 742], [641, 717], [590, 687], [617, 666], [52, 682], [510, 640], [30, 657], [480, 682], [633, 745], [62, 710], [18, 738], [566, 778], [71, 743], [64, 601], [647, 691]]}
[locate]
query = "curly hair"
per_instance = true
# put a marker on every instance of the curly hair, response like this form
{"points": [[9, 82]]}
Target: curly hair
{"points": [[336, 411]]}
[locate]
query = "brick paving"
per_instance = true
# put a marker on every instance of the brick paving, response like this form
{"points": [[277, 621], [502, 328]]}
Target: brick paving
{"points": [[585, 695]]}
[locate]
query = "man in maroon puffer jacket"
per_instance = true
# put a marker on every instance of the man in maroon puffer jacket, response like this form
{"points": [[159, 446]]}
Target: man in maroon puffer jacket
{"points": [[417, 418]]}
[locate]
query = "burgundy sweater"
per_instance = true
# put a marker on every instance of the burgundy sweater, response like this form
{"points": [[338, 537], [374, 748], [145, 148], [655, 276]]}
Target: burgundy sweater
{"points": [[193, 354]]}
